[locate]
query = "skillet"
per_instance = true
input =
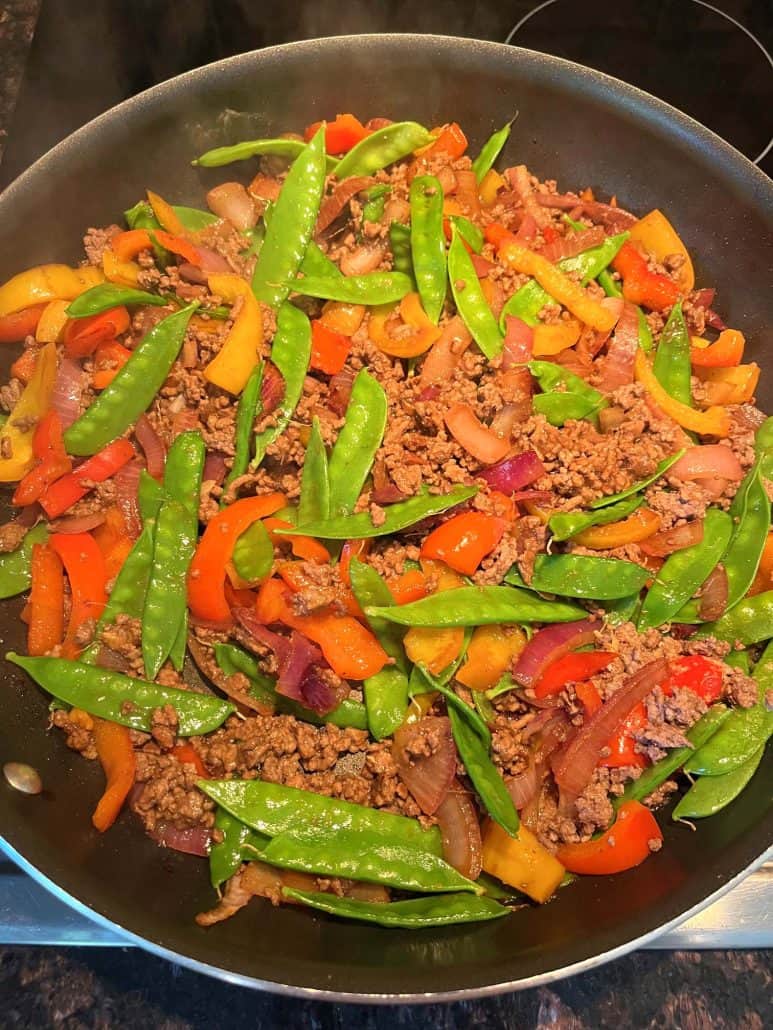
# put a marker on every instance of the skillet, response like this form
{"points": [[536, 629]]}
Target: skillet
{"points": [[574, 124]]}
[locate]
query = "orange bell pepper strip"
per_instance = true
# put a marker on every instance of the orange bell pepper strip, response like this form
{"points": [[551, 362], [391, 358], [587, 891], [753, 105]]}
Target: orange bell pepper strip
{"points": [[715, 421], [764, 577], [589, 698], [641, 285], [643, 523], [552, 339], [50, 328], [82, 336], [329, 349], [464, 540], [491, 652], [123, 273], [571, 668], [271, 601], [342, 318], [166, 215], [45, 628], [522, 862], [186, 754], [735, 385], [16, 326], [410, 586], [340, 135], [413, 315], [62, 494], [207, 572], [435, 648], [449, 139], [24, 366], [116, 755], [127, 245], [497, 235], [727, 350], [178, 245], [232, 366], [305, 547], [85, 568], [477, 439], [622, 744], [53, 461], [109, 359], [659, 238], [113, 541], [624, 845]]}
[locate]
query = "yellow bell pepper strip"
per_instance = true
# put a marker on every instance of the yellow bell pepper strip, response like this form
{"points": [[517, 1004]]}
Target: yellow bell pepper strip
{"points": [[729, 385], [642, 524], [552, 339], [559, 286], [232, 366], [46, 282], [434, 648], [52, 322], [116, 755], [727, 350], [522, 862], [413, 315], [491, 652], [124, 273], [491, 183], [17, 433], [658, 236], [715, 421], [166, 215]]}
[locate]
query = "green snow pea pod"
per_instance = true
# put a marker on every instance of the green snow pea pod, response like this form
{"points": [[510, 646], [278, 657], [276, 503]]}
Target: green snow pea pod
{"points": [[580, 575], [645, 333], [164, 609], [576, 226], [434, 910], [739, 660], [568, 524], [398, 516], [291, 149], [423, 682], [565, 395], [470, 301], [16, 566], [383, 147], [764, 437], [372, 288], [485, 777], [193, 218], [400, 242], [483, 707], [710, 794], [684, 571], [253, 554], [314, 502], [637, 488], [365, 856], [239, 844], [672, 365], [370, 590], [428, 244], [180, 645], [490, 151], [652, 777], [317, 263], [373, 209], [273, 809], [479, 606], [749, 622], [133, 389], [150, 494], [742, 558], [182, 473], [625, 609], [358, 441], [109, 295], [246, 411], [469, 232], [291, 226], [118, 698], [128, 594], [291, 353], [608, 284]]}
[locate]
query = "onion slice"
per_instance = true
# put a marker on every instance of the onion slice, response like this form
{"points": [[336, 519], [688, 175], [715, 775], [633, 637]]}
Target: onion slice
{"points": [[713, 595], [152, 446], [675, 539], [333, 205], [208, 667], [192, 840], [69, 385], [427, 776], [616, 366], [459, 826], [573, 243], [707, 461], [127, 481], [513, 473], [77, 523], [518, 343], [549, 644]]}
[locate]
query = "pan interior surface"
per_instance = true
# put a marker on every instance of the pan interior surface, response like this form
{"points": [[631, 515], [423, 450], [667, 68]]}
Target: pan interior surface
{"points": [[574, 125]]}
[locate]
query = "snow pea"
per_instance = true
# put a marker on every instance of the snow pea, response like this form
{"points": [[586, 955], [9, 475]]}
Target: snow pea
{"points": [[625, 609], [365, 856], [469, 299], [133, 389], [739, 660], [232, 659], [370, 590], [485, 776], [490, 151], [469, 232], [291, 353], [150, 494], [751, 511], [576, 226], [423, 682], [16, 566], [479, 606], [292, 224], [238, 845], [317, 263], [608, 284], [358, 441], [672, 366], [370, 289], [373, 208], [749, 622], [399, 516], [440, 910], [684, 571], [564, 395], [764, 437], [400, 241], [246, 411], [314, 502], [579, 575], [636, 488], [652, 777], [128, 594], [568, 524], [383, 147], [109, 295], [428, 245], [290, 149], [180, 645], [253, 554], [274, 809], [645, 333], [710, 794], [118, 698], [527, 302]]}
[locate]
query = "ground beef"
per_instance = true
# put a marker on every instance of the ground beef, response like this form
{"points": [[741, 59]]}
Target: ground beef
{"points": [[169, 794], [163, 726], [508, 750], [322, 587], [78, 729], [123, 638], [96, 242], [11, 536], [661, 795], [739, 689]]}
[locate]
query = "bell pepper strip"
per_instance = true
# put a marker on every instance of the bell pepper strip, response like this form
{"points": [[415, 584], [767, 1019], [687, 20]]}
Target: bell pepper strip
{"points": [[305, 547], [490, 185], [46, 282], [622, 744], [109, 359], [558, 285], [127, 245], [113, 541], [449, 139], [696, 673], [341, 317], [521, 862], [340, 135], [763, 579], [627, 843], [15, 327], [62, 494], [329, 349], [643, 523], [589, 698], [727, 350], [351, 549], [50, 328], [410, 586], [715, 421], [232, 366], [207, 572], [729, 385], [271, 600], [491, 652], [53, 461], [477, 439], [659, 238], [17, 434], [166, 215], [121, 273], [435, 649], [23, 368], [116, 755], [571, 668], [464, 540], [85, 568], [413, 315], [186, 754], [296, 577], [641, 285], [45, 626], [552, 339], [177, 245], [82, 336]]}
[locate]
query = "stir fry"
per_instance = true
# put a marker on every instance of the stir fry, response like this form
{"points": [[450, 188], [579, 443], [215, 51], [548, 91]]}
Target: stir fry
{"points": [[395, 533]]}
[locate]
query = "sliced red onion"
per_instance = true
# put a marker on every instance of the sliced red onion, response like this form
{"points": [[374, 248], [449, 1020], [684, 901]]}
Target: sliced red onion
{"points": [[518, 178], [616, 367], [553, 735], [208, 667], [192, 840], [513, 473], [547, 645], [524, 787], [192, 274], [561, 201], [481, 265], [660, 545], [715, 322], [518, 343], [615, 219], [299, 656], [318, 693], [30, 515], [152, 446], [184, 421], [703, 298], [527, 230], [214, 468], [340, 390], [272, 388], [384, 490], [713, 595], [540, 720], [77, 523], [429, 393], [231, 201], [333, 205], [211, 262], [109, 659], [460, 828], [446, 353], [573, 243], [427, 777], [707, 461], [127, 481], [537, 496], [69, 385]]}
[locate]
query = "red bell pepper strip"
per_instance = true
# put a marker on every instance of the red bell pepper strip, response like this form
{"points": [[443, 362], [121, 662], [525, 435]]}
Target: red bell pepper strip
{"points": [[187, 754], [109, 359], [113, 541], [449, 139], [696, 673], [464, 541], [624, 845], [24, 366], [305, 547], [572, 668], [622, 746], [642, 286], [725, 352], [496, 234], [589, 698], [45, 627], [410, 586], [207, 572], [62, 494], [14, 327], [85, 568], [178, 245], [329, 349], [53, 461], [82, 336], [116, 755], [340, 135]]}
